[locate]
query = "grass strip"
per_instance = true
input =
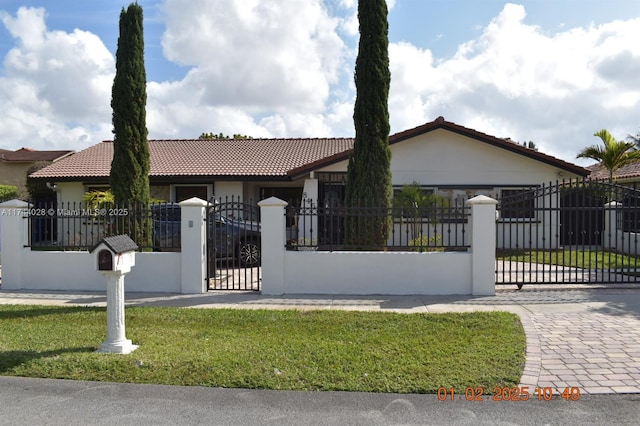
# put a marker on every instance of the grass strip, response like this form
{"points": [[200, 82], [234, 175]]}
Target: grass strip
{"points": [[573, 258], [268, 349]]}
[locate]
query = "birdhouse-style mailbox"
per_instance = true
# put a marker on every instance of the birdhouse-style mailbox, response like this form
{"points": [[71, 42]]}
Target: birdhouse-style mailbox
{"points": [[114, 258], [115, 254]]}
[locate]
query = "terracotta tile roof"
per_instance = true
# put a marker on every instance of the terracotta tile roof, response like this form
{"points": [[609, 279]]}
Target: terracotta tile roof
{"points": [[207, 157], [441, 123], [628, 172], [29, 155], [258, 158]]}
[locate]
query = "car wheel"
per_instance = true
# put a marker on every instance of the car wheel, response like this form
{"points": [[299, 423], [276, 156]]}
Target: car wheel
{"points": [[249, 253]]}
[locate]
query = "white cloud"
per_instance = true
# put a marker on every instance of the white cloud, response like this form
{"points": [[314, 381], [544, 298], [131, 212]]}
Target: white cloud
{"points": [[252, 64], [262, 68], [56, 86], [517, 81], [284, 68], [269, 55]]}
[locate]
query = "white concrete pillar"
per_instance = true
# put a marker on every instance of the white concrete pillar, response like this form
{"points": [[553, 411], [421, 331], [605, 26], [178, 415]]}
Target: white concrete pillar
{"points": [[194, 246], [610, 235], [483, 245], [14, 233], [272, 228], [116, 341]]}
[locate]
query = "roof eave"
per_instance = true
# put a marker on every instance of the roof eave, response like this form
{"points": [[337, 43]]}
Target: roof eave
{"points": [[324, 162], [168, 179]]}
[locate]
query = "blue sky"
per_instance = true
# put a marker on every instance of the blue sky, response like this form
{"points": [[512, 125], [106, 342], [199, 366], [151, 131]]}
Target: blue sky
{"points": [[551, 71]]}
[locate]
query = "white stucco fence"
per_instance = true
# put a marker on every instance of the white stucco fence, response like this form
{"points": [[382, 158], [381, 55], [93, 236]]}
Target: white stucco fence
{"points": [[283, 272], [389, 273], [26, 269], [76, 271], [615, 239], [375, 273]]}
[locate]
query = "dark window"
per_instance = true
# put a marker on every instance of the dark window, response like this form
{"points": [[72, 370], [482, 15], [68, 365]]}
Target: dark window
{"points": [[517, 204], [186, 192], [293, 196], [288, 194]]}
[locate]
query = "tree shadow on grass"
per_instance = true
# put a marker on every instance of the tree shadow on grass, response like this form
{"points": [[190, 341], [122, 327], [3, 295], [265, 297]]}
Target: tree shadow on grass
{"points": [[11, 359], [32, 311]]}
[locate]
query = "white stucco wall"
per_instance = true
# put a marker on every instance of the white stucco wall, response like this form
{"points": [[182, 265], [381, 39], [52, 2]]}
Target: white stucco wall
{"points": [[441, 157], [225, 189], [165, 272], [527, 235], [76, 271], [69, 192], [625, 242], [391, 273], [377, 273]]}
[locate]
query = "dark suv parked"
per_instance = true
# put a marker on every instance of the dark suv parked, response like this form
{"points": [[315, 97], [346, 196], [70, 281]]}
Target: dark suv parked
{"points": [[230, 238]]}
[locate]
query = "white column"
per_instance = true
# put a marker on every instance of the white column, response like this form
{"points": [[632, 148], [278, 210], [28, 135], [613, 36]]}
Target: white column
{"points": [[116, 337], [194, 246], [272, 228], [610, 236], [14, 235], [483, 245]]}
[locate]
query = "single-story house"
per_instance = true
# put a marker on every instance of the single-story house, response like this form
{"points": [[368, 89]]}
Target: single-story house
{"points": [[444, 157], [15, 164]]}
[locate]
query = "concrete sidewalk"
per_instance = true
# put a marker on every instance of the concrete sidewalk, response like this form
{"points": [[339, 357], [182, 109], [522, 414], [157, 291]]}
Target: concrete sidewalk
{"points": [[582, 336]]}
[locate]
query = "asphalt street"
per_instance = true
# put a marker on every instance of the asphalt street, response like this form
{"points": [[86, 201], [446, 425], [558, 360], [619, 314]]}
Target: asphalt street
{"points": [[584, 338], [26, 401]]}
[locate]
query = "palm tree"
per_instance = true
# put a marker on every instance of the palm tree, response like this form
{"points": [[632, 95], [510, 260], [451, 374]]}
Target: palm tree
{"points": [[614, 155]]}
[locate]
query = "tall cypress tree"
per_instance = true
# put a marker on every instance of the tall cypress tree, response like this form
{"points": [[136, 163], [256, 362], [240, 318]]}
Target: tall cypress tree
{"points": [[369, 169], [130, 166]]}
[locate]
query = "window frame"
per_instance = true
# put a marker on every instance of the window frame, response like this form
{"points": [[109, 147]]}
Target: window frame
{"points": [[522, 210]]}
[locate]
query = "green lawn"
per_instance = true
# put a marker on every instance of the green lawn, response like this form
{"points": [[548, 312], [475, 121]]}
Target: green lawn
{"points": [[268, 349], [574, 258]]}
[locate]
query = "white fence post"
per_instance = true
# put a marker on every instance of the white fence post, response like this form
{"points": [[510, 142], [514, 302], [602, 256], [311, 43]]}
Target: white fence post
{"points": [[194, 246], [483, 245], [14, 232], [272, 228], [610, 237]]}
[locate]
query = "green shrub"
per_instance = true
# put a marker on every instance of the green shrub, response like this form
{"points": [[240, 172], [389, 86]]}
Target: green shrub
{"points": [[426, 243], [8, 192], [98, 199]]}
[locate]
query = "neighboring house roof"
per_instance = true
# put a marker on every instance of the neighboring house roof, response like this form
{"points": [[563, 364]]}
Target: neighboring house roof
{"points": [[28, 155], [630, 172], [256, 158]]}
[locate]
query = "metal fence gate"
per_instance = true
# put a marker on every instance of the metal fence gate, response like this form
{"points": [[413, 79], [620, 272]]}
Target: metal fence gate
{"points": [[572, 232], [233, 245]]}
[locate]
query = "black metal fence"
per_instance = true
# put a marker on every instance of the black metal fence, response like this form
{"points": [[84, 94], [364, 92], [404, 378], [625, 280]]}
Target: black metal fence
{"points": [[438, 226], [80, 226], [577, 231]]}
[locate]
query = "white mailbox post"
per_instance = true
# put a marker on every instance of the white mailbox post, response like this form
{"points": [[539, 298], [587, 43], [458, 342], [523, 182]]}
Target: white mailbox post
{"points": [[114, 258]]}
